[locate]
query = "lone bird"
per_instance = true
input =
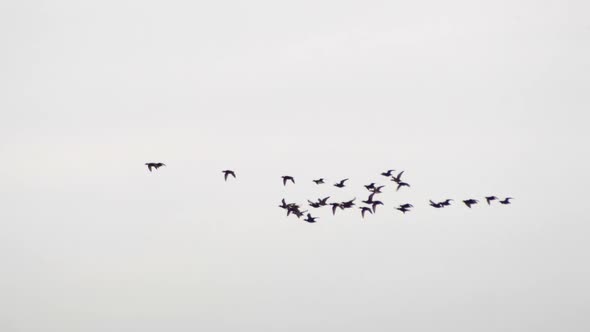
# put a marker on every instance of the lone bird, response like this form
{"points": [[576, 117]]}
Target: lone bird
{"points": [[388, 173], [489, 199], [154, 165], [287, 178], [227, 173], [365, 209], [371, 186], [506, 201], [319, 181], [340, 184], [470, 202], [310, 219]]}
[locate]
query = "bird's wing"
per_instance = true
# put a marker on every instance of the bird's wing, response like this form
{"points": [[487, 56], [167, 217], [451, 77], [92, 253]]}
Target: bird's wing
{"points": [[149, 167]]}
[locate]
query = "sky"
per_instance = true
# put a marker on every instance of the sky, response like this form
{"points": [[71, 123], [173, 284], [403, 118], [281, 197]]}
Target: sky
{"points": [[470, 98]]}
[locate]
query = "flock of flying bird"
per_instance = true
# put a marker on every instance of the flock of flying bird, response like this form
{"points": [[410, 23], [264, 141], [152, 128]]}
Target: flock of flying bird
{"points": [[370, 204]]}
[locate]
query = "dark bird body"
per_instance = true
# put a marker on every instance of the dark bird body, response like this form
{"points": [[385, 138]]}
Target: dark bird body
{"points": [[154, 165], [287, 178], [340, 184], [310, 219], [319, 181], [388, 173], [489, 199], [470, 202], [506, 200], [365, 209], [227, 173]]}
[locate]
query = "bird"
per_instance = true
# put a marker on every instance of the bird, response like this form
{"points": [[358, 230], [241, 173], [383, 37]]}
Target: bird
{"points": [[506, 201], [310, 219], [154, 165], [403, 209], [365, 209], [370, 199], [406, 206], [340, 184], [402, 184], [398, 178], [334, 207], [470, 202], [323, 201], [489, 199], [287, 178], [374, 205], [347, 204], [377, 190], [436, 205], [446, 202], [319, 181], [388, 173], [370, 186], [227, 173], [314, 204]]}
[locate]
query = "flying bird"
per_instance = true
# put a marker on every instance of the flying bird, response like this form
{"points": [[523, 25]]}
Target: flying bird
{"points": [[227, 173], [446, 202], [506, 200], [377, 190], [370, 187], [403, 209], [402, 184], [370, 199], [365, 209], [334, 207], [374, 205], [340, 184], [314, 204], [323, 201], [436, 205], [388, 173], [287, 178], [310, 219], [319, 181], [398, 178], [406, 206], [154, 165], [489, 199], [470, 202]]}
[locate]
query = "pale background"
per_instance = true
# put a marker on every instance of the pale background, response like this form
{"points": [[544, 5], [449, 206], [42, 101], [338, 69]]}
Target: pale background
{"points": [[471, 98]]}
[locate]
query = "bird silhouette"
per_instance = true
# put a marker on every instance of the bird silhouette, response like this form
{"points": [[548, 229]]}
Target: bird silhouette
{"points": [[365, 209], [470, 202], [227, 173], [436, 205], [319, 181], [403, 209], [323, 201], [374, 205], [154, 165], [506, 201], [310, 219], [313, 204], [406, 206], [287, 178], [446, 202], [398, 178], [334, 207], [369, 200], [402, 184], [370, 187], [388, 173], [347, 204], [377, 190], [340, 184], [489, 199]]}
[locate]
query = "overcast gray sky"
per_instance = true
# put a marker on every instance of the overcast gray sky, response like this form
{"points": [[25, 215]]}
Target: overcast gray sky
{"points": [[471, 98]]}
